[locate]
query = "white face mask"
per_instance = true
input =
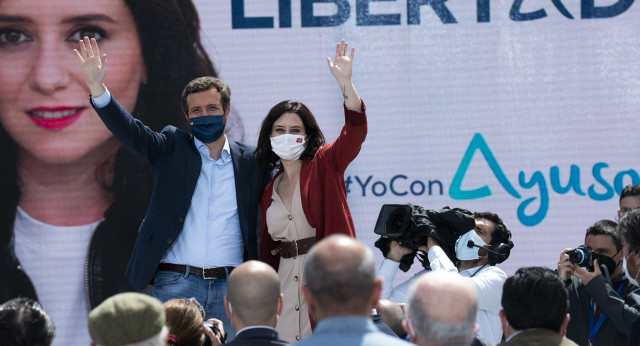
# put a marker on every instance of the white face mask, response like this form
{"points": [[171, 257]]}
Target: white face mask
{"points": [[287, 146], [465, 253], [633, 279]]}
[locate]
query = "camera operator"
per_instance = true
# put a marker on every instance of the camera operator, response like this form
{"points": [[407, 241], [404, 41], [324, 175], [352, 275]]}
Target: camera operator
{"points": [[472, 263], [601, 310]]}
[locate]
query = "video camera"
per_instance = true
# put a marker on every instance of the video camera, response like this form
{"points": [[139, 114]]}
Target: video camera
{"points": [[411, 225]]}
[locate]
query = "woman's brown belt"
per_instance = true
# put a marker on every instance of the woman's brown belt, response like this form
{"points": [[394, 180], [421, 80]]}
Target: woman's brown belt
{"points": [[294, 248]]}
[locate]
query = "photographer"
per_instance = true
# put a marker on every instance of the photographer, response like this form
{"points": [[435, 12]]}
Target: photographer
{"points": [[473, 263], [601, 310], [187, 324]]}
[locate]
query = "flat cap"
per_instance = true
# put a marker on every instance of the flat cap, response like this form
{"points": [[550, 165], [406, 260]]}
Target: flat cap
{"points": [[126, 318]]}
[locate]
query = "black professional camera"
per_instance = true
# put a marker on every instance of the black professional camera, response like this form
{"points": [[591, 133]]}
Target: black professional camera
{"points": [[216, 332], [582, 256], [410, 225]]}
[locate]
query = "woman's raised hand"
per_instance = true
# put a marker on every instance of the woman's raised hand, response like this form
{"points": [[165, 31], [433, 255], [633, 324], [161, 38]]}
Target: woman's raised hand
{"points": [[94, 66], [341, 65], [340, 68]]}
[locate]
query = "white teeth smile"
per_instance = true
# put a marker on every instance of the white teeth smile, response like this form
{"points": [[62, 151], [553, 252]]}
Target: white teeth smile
{"points": [[54, 114]]}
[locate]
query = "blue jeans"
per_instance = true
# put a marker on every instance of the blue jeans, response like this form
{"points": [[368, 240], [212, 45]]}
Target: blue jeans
{"points": [[209, 293]]}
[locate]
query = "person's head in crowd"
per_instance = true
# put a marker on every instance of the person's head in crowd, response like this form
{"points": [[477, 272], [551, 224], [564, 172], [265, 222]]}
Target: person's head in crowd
{"points": [[340, 277], [253, 295], [392, 315], [604, 239], [441, 309], [185, 319], [129, 319], [629, 199], [288, 117], [23, 322], [534, 297], [491, 228], [629, 230]]}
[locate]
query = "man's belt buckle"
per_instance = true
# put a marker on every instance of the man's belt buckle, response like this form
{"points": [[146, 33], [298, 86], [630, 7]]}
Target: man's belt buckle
{"points": [[204, 275]]}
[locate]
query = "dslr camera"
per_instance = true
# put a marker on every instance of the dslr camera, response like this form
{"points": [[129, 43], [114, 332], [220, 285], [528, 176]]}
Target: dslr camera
{"points": [[216, 332], [583, 256]]}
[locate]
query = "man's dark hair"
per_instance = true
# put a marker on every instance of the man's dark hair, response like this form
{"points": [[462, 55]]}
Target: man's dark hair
{"points": [[535, 297], [23, 322], [606, 227], [629, 229], [203, 84], [501, 234], [630, 191]]}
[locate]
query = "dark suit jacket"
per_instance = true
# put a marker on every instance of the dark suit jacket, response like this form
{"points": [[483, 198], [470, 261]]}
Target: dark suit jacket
{"points": [[634, 333], [257, 336], [175, 163], [538, 337]]}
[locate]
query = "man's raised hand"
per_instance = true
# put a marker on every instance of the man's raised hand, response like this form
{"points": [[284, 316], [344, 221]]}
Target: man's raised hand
{"points": [[94, 65]]}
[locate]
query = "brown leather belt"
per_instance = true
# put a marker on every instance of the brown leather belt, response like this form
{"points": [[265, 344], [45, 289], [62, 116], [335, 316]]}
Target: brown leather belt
{"points": [[294, 248], [205, 273]]}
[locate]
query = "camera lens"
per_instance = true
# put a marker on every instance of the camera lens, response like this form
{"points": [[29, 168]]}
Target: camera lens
{"points": [[576, 256], [396, 221]]}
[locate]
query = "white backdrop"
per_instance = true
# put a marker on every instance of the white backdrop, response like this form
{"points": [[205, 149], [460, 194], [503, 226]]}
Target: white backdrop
{"points": [[535, 103]]}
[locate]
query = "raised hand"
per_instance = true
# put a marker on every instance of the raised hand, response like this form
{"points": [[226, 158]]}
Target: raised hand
{"points": [[341, 65], [94, 66], [340, 68]]}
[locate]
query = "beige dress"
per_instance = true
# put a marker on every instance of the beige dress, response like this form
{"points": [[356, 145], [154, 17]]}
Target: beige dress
{"points": [[288, 225]]}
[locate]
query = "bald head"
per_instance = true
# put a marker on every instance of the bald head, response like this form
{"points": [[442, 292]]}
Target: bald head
{"points": [[442, 307], [340, 274], [253, 291]]}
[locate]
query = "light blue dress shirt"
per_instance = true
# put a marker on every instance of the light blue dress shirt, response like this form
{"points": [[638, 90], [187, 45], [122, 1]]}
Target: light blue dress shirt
{"points": [[350, 331], [211, 235]]}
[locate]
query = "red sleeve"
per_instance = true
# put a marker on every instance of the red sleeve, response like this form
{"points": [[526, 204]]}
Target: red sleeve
{"points": [[347, 146]]}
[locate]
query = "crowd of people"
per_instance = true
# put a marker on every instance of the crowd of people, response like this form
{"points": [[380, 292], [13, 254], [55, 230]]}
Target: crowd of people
{"points": [[304, 278], [342, 290]]}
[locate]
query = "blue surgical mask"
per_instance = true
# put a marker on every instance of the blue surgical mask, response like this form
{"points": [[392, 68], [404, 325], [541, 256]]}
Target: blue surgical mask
{"points": [[463, 251], [207, 128]]}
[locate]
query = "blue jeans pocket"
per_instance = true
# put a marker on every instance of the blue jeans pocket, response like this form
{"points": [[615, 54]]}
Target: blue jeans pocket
{"points": [[166, 278], [166, 285]]}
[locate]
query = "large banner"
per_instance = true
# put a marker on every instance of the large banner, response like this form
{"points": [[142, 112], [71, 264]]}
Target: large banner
{"points": [[526, 108]]}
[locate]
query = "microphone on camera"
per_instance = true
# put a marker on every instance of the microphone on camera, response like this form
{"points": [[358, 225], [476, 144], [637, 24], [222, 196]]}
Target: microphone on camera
{"points": [[470, 243]]}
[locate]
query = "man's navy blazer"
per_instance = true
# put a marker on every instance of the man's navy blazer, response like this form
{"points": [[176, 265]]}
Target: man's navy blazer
{"points": [[176, 163], [259, 336]]}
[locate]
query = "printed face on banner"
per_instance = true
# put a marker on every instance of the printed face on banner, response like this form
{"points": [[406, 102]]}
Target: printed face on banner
{"points": [[44, 103]]}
